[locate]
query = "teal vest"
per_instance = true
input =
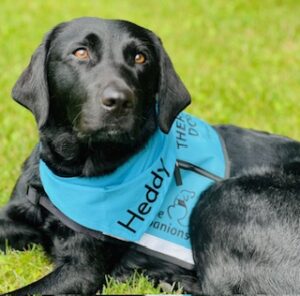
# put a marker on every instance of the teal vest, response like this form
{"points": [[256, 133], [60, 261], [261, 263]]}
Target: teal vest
{"points": [[149, 199]]}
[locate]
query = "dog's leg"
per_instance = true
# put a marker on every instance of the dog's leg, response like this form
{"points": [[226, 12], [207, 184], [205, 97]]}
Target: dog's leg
{"points": [[67, 279], [16, 234], [82, 263]]}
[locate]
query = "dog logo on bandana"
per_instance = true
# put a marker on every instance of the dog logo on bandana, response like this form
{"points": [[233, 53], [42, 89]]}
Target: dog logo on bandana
{"points": [[180, 208]]}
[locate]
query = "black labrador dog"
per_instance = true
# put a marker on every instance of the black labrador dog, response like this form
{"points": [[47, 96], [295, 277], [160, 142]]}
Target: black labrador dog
{"points": [[99, 89]]}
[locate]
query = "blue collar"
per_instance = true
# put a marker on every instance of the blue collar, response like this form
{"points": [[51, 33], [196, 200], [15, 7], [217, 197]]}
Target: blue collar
{"points": [[141, 201]]}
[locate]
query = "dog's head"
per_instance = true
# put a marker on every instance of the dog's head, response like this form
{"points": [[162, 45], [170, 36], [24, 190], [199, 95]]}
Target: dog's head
{"points": [[103, 78]]}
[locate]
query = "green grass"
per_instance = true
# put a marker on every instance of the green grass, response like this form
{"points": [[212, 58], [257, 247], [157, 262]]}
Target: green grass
{"points": [[239, 59], [20, 268], [136, 284]]}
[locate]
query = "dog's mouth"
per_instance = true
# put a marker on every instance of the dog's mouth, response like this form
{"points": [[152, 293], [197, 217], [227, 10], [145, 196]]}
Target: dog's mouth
{"points": [[113, 133], [94, 127]]}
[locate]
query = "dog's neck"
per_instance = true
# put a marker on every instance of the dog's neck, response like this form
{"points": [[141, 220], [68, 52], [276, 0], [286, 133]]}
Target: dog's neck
{"points": [[68, 157]]}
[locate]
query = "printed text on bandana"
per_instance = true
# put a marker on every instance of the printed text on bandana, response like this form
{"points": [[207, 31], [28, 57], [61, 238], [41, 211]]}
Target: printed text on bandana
{"points": [[185, 126], [136, 216]]}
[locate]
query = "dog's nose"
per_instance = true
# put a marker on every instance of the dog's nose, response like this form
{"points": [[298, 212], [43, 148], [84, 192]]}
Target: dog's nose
{"points": [[117, 99]]}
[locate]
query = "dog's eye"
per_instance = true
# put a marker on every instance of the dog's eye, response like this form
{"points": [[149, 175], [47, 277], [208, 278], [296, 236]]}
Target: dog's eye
{"points": [[139, 58], [81, 54]]}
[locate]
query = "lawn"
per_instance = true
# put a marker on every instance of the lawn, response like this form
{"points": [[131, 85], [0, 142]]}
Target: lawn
{"points": [[239, 59]]}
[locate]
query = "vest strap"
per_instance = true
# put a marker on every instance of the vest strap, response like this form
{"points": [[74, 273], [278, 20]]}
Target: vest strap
{"points": [[37, 198]]}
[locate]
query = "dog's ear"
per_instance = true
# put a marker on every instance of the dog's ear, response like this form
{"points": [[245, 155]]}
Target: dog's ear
{"points": [[31, 89], [172, 95]]}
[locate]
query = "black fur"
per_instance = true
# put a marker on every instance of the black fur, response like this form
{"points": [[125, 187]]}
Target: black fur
{"points": [[251, 243], [81, 136]]}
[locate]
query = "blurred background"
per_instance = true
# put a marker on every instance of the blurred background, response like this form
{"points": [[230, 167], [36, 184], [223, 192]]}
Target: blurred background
{"points": [[239, 59]]}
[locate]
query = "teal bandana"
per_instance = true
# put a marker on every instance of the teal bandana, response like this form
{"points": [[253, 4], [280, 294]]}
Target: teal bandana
{"points": [[141, 201]]}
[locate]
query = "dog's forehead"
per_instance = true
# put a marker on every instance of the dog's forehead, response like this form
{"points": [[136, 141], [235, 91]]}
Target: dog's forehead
{"points": [[107, 30]]}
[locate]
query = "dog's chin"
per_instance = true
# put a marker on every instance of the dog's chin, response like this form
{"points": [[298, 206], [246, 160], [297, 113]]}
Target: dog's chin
{"points": [[109, 134]]}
